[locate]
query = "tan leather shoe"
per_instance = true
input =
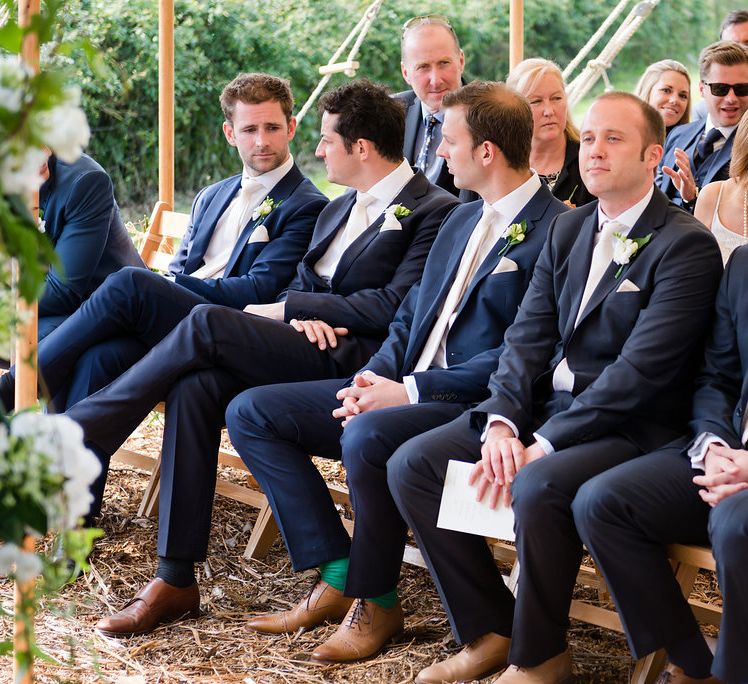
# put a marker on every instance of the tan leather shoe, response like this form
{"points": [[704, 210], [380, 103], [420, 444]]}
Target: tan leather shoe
{"points": [[364, 632], [322, 604], [156, 603], [480, 658], [556, 670], [672, 674]]}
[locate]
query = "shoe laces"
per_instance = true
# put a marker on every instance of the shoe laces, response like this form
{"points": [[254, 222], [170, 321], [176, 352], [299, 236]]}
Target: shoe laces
{"points": [[308, 596], [358, 614]]}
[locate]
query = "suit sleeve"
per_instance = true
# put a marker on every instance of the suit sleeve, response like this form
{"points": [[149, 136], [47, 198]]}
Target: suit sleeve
{"points": [[177, 264], [658, 349], [271, 271], [370, 311], [88, 214], [718, 386]]}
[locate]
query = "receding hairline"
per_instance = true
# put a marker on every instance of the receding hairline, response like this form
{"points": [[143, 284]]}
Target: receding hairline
{"points": [[424, 26]]}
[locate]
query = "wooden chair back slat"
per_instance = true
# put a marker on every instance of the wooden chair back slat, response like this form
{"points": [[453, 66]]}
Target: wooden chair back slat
{"points": [[165, 229]]}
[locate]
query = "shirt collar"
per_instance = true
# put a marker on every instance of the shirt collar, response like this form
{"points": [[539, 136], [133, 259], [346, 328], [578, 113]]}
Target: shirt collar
{"points": [[270, 179], [389, 187], [629, 217], [426, 114], [510, 205], [726, 131]]}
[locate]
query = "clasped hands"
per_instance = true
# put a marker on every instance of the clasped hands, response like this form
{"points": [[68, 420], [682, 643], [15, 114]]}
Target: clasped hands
{"points": [[683, 177], [502, 457], [369, 391], [725, 473]]}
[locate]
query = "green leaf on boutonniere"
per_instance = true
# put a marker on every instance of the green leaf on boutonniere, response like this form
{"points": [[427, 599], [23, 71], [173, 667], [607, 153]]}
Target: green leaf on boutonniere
{"points": [[516, 234]]}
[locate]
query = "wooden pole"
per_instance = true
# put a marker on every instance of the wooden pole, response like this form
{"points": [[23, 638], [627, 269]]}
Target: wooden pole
{"points": [[166, 102], [25, 387], [516, 33]]}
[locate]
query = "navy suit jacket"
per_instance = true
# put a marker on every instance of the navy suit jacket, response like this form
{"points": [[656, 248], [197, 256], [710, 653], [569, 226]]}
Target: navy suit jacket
{"points": [[413, 123], [375, 272], [486, 310], [634, 349], [722, 387], [715, 167], [256, 272], [82, 220]]}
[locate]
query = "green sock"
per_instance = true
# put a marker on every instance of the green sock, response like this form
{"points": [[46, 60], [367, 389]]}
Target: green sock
{"points": [[387, 600], [334, 573]]}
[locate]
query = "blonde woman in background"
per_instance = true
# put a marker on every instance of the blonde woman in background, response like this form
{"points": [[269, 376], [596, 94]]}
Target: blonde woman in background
{"points": [[555, 139], [666, 85], [722, 206]]}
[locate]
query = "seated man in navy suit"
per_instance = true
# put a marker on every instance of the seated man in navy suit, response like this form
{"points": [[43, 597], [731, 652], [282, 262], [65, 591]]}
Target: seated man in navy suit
{"points": [[368, 248], [596, 370], [82, 220], [436, 361], [699, 153], [628, 515], [244, 241]]}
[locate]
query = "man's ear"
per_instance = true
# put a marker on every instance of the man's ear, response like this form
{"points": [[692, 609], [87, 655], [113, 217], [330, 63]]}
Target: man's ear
{"points": [[228, 131]]}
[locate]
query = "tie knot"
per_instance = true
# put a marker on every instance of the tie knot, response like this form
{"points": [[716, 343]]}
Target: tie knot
{"points": [[250, 185], [610, 227], [431, 122], [364, 199], [713, 136]]}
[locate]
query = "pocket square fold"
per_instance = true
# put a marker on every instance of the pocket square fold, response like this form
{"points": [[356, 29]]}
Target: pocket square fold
{"points": [[505, 265], [628, 286], [259, 234], [390, 223]]}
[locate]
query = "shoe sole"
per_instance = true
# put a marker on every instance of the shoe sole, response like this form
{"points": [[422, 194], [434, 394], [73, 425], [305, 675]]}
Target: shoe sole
{"points": [[393, 639], [189, 615], [487, 673]]}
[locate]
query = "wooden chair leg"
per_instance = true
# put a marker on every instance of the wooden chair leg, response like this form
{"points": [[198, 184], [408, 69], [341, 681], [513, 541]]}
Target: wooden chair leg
{"points": [[149, 504], [264, 533]]}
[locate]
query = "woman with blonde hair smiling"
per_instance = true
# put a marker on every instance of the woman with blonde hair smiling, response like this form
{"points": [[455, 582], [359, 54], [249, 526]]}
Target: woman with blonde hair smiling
{"points": [[722, 206], [666, 85], [555, 139]]}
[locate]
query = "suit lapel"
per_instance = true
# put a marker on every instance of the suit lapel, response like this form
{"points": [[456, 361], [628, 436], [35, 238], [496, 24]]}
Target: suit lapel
{"points": [[580, 259], [412, 126], [325, 233], [717, 161]]}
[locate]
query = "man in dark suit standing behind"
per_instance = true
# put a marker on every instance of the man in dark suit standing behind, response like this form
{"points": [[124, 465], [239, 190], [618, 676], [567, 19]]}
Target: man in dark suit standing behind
{"points": [[443, 345], [432, 64], [596, 370]]}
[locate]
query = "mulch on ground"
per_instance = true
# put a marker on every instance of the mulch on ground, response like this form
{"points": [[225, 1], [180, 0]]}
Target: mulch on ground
{"points": [[218, 647]]}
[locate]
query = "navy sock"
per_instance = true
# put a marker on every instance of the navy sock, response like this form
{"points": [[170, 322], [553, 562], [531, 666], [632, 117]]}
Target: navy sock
{"points": [[692, 655], [179, 573]]}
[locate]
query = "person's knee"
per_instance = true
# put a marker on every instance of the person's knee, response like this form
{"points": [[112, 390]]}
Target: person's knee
{"points": [[592, 505], [365, 445], [728, 529], [247, 410]]}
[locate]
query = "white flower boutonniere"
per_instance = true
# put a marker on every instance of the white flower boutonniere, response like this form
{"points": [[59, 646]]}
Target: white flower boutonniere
{"points": [[625, 249], [514, 235], [265, 207], [392, 216]]}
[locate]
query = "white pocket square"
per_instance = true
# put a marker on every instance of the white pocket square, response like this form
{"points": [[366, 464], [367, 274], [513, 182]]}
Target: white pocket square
{"points": [[505, 265], [390, 223], [628, 286], [259, 234]]}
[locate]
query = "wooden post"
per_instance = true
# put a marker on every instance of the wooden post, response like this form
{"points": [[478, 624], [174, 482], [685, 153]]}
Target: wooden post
{"points": [[166, 102], [516, 33], [25, 392]]}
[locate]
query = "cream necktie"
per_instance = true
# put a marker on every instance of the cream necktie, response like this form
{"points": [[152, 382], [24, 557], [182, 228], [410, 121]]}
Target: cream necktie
{"points": [[242, 209], [602, 256], [468, 266], [358, 220]]}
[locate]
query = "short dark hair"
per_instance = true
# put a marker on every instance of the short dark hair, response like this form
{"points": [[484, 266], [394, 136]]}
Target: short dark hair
{"points": [[724, 52], [256, 89], [735, 17], [653, 130], [367, 111], [496, 113]]}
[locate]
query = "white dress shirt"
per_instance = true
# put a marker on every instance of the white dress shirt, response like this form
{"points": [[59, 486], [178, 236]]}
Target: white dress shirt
{"points": [[384, 192], [725, 130]]}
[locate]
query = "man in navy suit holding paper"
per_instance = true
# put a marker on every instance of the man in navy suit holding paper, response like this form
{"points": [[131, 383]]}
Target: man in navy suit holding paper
{"points": [[368, 248], [244, 241], [596, 370], [444, 343]]}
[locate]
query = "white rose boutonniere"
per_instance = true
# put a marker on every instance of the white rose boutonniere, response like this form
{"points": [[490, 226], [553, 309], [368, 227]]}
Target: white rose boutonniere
{"points": [[625, 249], [265, 207], [514, 235], [392, 216]]}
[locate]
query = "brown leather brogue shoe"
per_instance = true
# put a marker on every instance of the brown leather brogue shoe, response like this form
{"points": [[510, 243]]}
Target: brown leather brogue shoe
{"points": [[480, 658], [322, 604], [556, 670], [156, 603], [672, 674], [364, 632]]}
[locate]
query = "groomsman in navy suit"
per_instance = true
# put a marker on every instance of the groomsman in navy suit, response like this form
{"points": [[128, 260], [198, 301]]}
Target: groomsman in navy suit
{"points": [[245, 239], [436, 361], [698, 153], [596, 370], [628, 515], [368, 248]]}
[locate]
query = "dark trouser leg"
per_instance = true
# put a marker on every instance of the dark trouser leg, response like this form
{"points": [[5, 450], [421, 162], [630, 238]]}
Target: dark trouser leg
{"points": [[368, 442], [728, 529], [548, 546], [195, 409], [625, 517], [469, 583], [275, 428]]}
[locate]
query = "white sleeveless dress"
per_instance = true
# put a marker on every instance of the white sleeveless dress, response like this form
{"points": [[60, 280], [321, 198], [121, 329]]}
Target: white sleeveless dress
{"points": [[727, 239]]}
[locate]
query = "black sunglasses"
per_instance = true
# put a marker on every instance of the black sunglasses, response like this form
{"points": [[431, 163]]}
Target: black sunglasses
{"points": [[721, 89]]}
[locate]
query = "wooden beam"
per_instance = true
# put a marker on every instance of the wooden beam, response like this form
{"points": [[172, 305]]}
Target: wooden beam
{"points": [[516, 33], [166, 102]]}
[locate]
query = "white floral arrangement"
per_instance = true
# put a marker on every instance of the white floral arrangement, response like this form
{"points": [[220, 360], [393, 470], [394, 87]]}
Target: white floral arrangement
{"points": [[264, 208], [393, 215], [625, 249]]}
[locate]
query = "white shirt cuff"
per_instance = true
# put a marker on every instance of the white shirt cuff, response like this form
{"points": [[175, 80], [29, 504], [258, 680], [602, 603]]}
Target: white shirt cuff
{"points": [[495, 418], [545, 445], [411, 388], [697, 453]]}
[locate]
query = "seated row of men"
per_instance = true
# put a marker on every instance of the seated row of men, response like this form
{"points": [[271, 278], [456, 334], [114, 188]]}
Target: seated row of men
{"points": [[551, 347]]}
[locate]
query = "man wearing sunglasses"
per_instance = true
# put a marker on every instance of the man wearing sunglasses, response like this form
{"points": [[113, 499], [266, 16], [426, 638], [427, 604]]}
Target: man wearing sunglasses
{"points": [[699, 153]]}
